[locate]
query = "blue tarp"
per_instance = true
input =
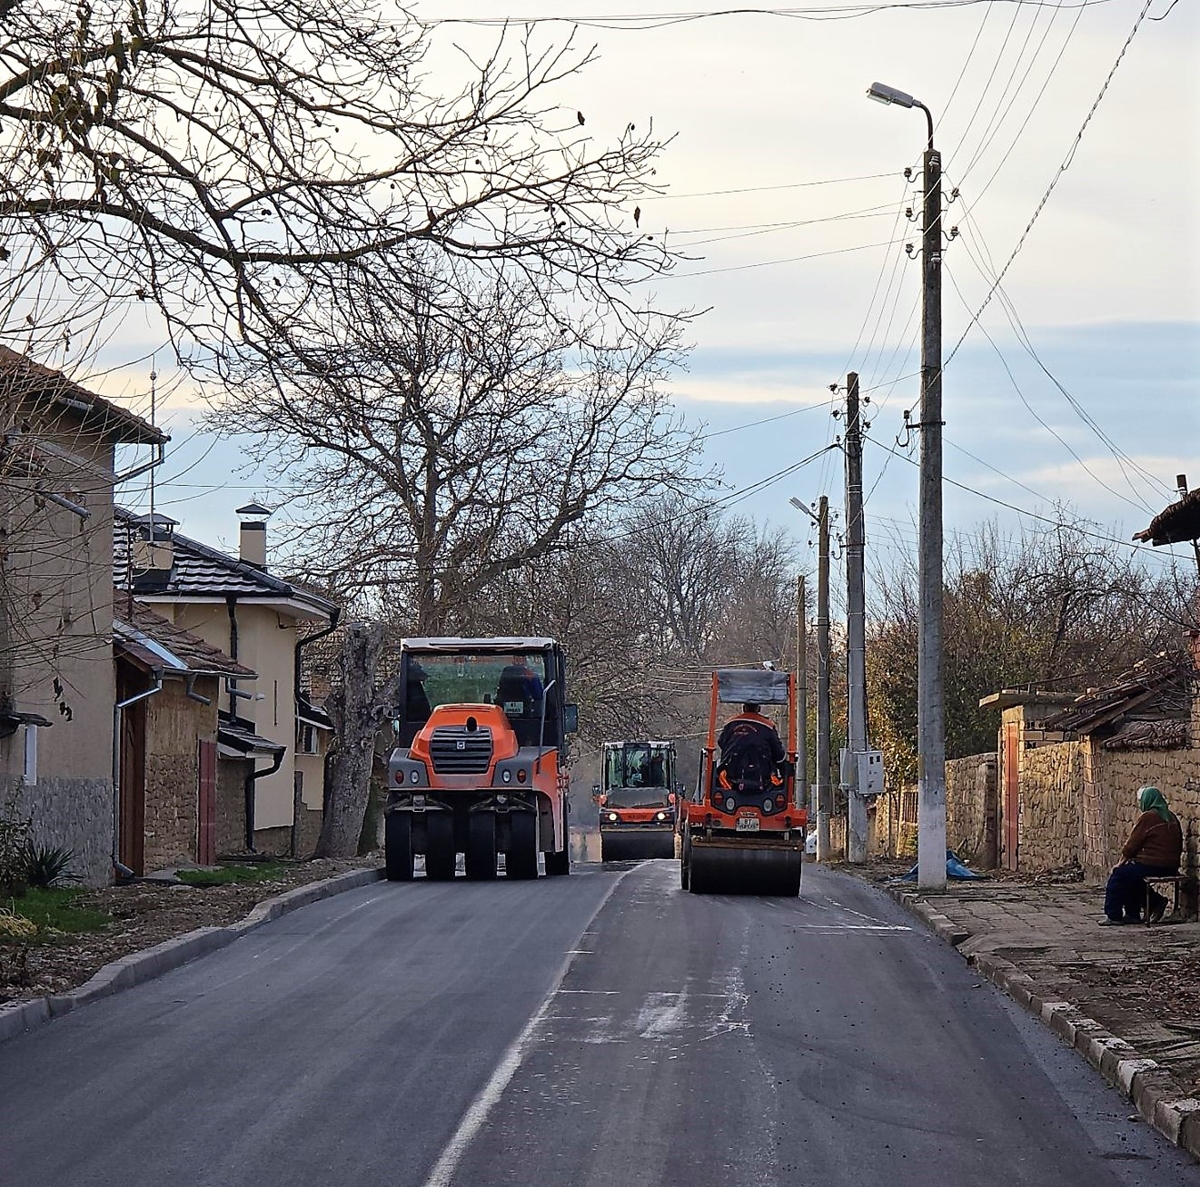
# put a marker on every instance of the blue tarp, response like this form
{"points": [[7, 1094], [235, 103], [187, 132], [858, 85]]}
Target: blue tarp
{"points": [[954, 869]]}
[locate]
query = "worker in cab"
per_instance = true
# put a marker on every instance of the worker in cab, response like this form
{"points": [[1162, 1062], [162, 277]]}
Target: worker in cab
{"points": [[752, 752]]}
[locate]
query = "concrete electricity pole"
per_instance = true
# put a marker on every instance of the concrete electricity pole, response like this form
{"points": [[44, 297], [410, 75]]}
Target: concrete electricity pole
{"points": [[824, 788], [801, 696], [931, 726], [856, 667]]}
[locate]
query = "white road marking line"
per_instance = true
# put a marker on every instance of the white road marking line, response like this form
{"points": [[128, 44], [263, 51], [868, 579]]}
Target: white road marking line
{"points": [[489, 1095]]}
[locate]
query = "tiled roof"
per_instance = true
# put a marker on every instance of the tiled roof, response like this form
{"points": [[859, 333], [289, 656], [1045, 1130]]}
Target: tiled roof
{"points": [[157, 642], [199, 570], [1149, 735], [1176, 524], [1155, 689], [31, 381]]}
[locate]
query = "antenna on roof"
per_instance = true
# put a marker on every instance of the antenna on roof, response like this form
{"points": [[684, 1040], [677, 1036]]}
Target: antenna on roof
{"points": [[153, 395]]}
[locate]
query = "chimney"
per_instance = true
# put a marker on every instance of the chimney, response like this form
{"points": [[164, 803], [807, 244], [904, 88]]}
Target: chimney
{"points": [[253, 540], [153, 550]]}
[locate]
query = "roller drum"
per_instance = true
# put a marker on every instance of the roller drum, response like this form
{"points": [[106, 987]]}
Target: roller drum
{"points": [[743, 869]]}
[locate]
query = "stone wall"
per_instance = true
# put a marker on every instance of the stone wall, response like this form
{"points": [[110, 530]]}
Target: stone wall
{"points": [[74, 814], [1111, 804], [1051, 806], [231, 805], [971, 808], [175, 725]]}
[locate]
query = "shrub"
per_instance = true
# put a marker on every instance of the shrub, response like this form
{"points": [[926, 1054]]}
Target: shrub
{"points": [[14, 855], [48, 865]]}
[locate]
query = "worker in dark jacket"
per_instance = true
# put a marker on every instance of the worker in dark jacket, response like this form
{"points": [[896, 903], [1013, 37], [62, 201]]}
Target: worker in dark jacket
{"points": [[751, 751], [1154, 847]]}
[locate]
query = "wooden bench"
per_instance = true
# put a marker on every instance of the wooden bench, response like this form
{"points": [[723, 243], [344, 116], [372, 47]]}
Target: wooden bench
{"points": [[1183, 888]]}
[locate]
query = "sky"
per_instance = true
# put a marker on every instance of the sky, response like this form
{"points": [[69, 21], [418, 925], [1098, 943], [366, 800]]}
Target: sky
{"points": [[1075, 150]]}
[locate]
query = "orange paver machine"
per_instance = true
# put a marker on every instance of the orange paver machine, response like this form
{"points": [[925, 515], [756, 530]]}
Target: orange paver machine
{"points": [[480, 764], [637, 800]]}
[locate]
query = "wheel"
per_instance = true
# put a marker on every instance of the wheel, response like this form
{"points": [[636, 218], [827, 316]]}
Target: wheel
{"points": [[521, 861], [480, 856], [397, 847], [685, 862], [558, 864], [439, 846], [608, 848]]}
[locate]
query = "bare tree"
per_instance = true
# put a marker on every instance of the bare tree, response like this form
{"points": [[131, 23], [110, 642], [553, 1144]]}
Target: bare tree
{"points": [[1058, 609], [446, 427], [216, 158], [357, 705]]}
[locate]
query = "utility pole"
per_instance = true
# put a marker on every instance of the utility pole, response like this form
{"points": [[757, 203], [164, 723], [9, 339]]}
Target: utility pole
{"points": [[931, 721], [856, 668], [801, 696], [824, 790]]}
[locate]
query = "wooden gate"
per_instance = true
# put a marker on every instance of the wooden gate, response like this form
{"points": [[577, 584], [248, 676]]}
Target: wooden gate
{"points": [[206, 814], [1011, 810]]}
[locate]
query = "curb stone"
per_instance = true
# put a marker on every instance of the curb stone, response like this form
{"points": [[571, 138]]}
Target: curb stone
{"points": [[18, 1017], [1158, 1098]]}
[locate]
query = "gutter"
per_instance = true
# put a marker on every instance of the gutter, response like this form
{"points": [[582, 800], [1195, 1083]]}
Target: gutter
{"points": [[334, 618], [251, 779]]}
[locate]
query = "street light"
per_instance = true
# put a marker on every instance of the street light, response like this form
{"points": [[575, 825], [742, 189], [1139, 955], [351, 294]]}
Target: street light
{"points": [[931, 728], [824, 787]]}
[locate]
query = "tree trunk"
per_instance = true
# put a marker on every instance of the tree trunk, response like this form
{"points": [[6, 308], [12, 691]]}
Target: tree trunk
{"points": [[356, 712]]}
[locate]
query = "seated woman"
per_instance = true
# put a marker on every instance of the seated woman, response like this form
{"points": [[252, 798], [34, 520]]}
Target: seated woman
{"points": [[1154, 847]]}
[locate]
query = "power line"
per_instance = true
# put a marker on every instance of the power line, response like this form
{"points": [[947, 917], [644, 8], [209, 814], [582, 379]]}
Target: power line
{"points": [[1057, 523], [758, 189], [641, 22], [1066, 164]]}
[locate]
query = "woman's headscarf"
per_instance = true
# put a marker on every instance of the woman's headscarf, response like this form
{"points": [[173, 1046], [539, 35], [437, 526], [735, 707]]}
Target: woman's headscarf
{"points": [[1150, 799]]}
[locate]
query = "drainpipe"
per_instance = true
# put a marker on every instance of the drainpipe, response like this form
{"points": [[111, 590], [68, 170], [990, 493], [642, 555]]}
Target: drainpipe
{"points": [[118, 717], [334, 618], [231, 684], [251, 779]]}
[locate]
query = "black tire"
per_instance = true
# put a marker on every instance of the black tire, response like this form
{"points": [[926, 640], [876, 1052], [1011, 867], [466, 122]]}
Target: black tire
{"points": [[609, 850], [558, 864], [439, 846], [397, 847], [521, 859], [480, 856], [685, 862]]}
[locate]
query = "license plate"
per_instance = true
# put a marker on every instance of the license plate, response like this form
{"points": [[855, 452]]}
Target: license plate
{"points": [[747, 824]]}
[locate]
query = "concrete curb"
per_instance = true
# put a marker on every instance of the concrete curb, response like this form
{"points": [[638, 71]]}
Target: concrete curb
{"points": [[1158, 1098], [137, 967]]}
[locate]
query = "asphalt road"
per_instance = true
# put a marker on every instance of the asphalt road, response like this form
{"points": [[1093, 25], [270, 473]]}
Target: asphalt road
{"points": [[603, 1029]]}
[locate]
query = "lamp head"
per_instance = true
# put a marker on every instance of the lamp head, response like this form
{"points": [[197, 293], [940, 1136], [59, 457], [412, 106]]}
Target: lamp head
{"points": [[795, 502], [882, 93]]}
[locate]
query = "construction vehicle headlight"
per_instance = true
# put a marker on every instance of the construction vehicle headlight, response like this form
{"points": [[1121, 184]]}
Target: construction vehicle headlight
{"points": [[413, 777], [506, 777], [613, 817], [661, 816], [768, 804], [522, 775], [730, 804]]}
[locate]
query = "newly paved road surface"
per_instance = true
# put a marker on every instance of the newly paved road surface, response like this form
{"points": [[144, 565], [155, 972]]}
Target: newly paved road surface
{"points": [[602, 1030]]}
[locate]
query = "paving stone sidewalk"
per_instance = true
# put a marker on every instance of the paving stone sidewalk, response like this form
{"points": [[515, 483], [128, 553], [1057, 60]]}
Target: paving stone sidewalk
{"points": [[1128, 998]]}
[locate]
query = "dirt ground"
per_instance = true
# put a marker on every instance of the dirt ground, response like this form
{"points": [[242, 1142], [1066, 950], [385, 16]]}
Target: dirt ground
{"points": [[145, 914]]}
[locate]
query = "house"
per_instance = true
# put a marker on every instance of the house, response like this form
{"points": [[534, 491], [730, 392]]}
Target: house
{"points": [[58, 467], [263, 622], [177, 800], [1069, 772]]}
